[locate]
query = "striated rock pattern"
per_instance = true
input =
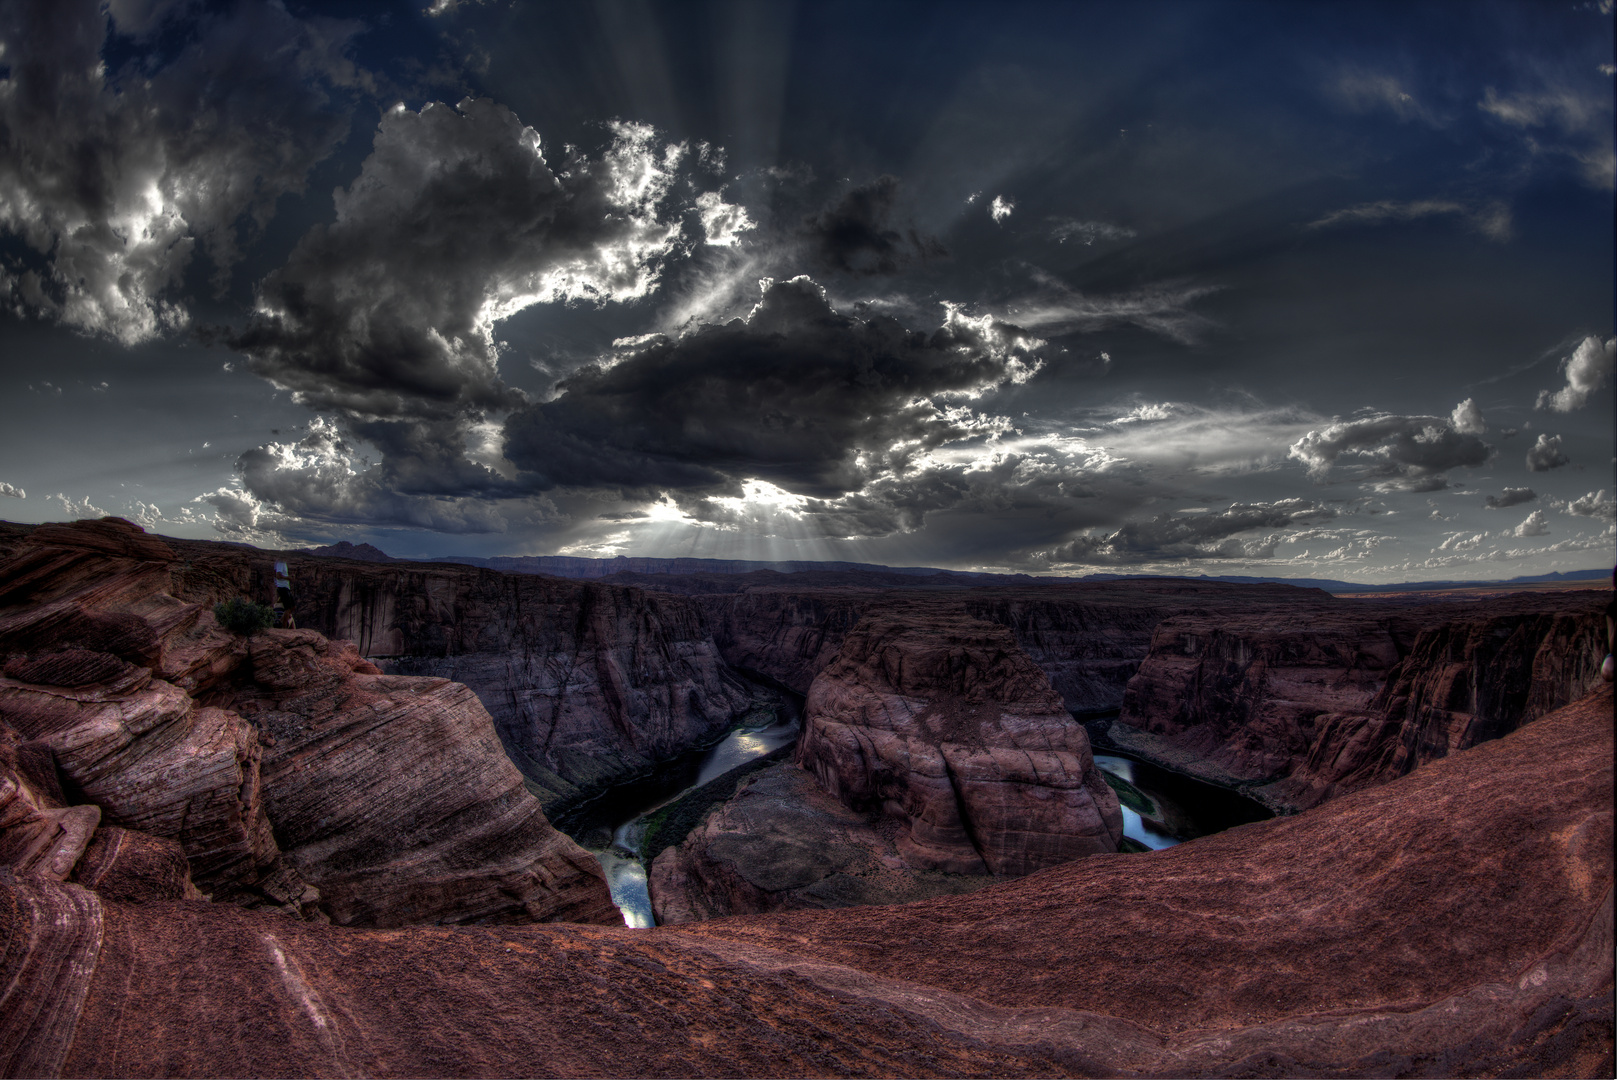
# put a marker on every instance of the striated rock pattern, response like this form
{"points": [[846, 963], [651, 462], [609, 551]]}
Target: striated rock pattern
{"points": [[1300, 706], [783, 844], [1454, 922], [282, 771], [589, 685], [786, 634], [941, 721], [452, 835], [1089, 637]]}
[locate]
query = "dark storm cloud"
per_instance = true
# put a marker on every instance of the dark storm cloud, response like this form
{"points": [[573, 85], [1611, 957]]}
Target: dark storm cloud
{"points": [[113, 179], [1401, 453], [1511, 496], [857, 236], [1191, 536], [456, 221], [425, 482], [808, 399], [1546, 454]]}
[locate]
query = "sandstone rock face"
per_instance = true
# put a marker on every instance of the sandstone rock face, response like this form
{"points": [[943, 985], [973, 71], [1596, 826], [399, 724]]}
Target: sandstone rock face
{"points": [[1297, 706], [451, 836], [1088, 637], [284, 769], [783, 844], [787, 635], [1454, 922], [941, 721], [588, 684]]}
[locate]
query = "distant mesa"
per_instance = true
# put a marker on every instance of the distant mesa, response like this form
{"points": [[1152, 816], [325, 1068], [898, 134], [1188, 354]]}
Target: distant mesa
{"points": [[625, 569], [344, 550]]}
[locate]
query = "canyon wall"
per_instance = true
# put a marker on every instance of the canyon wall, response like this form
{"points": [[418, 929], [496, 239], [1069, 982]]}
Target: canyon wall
{"points": [[944, 723], [1297, 706], [588, 684], [1454, 922], [1089, 637], [283, 767]]}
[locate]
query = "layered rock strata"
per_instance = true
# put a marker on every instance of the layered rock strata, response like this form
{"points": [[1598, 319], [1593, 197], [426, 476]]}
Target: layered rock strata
{"points": [[939, 720], [589, 685], [1088, 637], [1296, 707], [1454, 922], [284, 769]]}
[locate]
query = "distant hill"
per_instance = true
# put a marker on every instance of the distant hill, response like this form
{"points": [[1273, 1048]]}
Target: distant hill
{"points": [[630, 570], [571, 567], [344, 550]]}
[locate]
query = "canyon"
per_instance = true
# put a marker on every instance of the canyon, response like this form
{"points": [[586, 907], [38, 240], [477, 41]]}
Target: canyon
{"points": [[308, 837]]}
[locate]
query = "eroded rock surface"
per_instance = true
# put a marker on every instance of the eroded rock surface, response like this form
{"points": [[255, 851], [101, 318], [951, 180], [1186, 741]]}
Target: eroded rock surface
{"points": [[1297, 706], [283, 770], [589, 685], [1454, 922], [941, 721], [783, 844]]}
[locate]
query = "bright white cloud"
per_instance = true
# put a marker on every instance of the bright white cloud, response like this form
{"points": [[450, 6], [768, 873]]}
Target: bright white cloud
{"points": [[1546, 454], [1467, 418], [1587, 370], [1532, 525], [1001, 208], [1393, 453], [13, 491], [78, 509], [115, 182], [1596, 504]]}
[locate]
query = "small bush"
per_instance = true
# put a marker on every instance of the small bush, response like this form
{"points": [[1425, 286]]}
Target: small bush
{"points": [[241, 616]]}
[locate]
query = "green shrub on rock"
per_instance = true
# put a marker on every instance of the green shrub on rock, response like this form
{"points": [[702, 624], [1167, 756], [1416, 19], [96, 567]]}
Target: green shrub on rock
{"points": [[241, 616]]}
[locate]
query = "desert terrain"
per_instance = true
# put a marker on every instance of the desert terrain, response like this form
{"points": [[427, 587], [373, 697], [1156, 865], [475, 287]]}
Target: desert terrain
{"points": [[1149, 827]]}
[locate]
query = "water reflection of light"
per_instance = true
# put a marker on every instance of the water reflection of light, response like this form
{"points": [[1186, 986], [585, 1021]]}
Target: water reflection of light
{"points": [[1134, 826], [626, 879], [625, 875]]}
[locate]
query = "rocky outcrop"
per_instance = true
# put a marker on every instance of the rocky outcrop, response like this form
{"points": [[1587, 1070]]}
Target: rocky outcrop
{"points": [[942, 722], [1300, 706], [1455, 922], [783, 844], [589, 685], [283, 769]]}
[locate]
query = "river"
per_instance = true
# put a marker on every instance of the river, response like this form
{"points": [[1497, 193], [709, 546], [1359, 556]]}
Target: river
{"points": [[1160, 808], [613, 826]]}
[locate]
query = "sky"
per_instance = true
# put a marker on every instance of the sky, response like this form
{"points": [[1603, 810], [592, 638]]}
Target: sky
{"points": [[1279, 289]]}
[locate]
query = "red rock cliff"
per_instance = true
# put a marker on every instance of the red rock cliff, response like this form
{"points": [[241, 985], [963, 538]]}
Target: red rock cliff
{"points": [[945, 723], [1300, 705], [287, 770], [588, 684]]}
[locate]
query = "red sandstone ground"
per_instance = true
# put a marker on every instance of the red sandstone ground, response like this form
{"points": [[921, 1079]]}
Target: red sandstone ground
{"points": [[1457, 921]]}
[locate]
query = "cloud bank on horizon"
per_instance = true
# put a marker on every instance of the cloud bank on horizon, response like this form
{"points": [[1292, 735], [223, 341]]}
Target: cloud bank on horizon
{"points": [[501, 279]]}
